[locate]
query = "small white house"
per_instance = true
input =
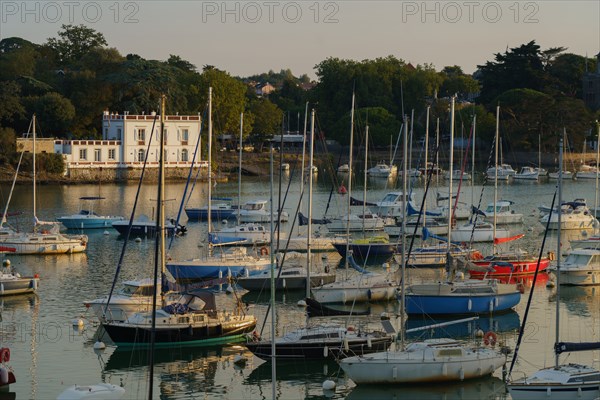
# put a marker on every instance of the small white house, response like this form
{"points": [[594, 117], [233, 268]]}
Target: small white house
{"points": [[128, 139]]}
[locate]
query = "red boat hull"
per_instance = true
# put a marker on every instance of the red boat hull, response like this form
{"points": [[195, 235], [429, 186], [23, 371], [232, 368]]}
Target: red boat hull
{"points": [[519, 268]]}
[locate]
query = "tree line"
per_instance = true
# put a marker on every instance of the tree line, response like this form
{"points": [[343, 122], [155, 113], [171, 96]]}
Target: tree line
{"points": [[69, 80]]}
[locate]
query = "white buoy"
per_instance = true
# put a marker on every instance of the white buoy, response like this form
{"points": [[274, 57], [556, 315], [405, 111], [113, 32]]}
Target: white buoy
{"points": [[550, 283], [138, 240], [384, 316], [78, 322], [106, 232], [301, 303], [99, 345], [6, 263], [229, 289], [224, 222], [328, 385], [479, 333]]}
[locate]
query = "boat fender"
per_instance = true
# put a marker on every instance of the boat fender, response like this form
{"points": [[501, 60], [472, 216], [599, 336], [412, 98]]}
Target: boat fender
{"points": [[325, 351], [346, 344], [255, 336], [34, 284], [521, 287], [264, 251], [551, 256], [3, 376], [4, 354], [490, 338], [369, 343], [327, 269], [1, 288], [369, 294]]}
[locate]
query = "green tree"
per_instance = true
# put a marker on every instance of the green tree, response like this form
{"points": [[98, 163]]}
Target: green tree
{"points": [[10, 102], [18, 57], [74, 42], [267, 120], [54, 112], [456, 82]]}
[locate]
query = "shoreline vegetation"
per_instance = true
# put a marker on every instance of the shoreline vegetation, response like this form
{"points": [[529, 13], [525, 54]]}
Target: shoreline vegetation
{"points": [[258, 164]]}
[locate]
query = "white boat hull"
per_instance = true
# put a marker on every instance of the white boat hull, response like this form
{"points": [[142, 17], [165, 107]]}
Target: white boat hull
{"points": [[367, 289], [580, 277], [416, 367]]}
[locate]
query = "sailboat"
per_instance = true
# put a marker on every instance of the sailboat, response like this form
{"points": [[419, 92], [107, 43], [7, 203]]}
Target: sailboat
{"points": [[194, 319], [46, 237], [560, 381], [432, 360], [459, 296], [234, 262], [367, 286]]}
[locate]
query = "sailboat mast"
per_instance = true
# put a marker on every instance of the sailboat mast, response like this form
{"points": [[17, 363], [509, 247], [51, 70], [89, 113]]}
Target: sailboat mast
{"points": [[272, 260], [426, 159], [34, 175], [365, 177], [303, 156], [558, 247], [597, 160], [350, 182], [160, 246], [496, 173], [210, 128], [309, 204], [451, 166], [403, 237], [239, 206], [473, 161]]}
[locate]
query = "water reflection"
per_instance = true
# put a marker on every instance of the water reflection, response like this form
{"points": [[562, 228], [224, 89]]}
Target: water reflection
{"points": [[487, 388]]}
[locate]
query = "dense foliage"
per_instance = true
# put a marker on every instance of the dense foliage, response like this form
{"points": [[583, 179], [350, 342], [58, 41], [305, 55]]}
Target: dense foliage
{"points": [[71, 79]]}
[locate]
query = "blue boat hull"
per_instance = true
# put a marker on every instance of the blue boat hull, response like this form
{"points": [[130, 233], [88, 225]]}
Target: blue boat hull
{"points": [[460, 304], [200, 272], [199, 214]]}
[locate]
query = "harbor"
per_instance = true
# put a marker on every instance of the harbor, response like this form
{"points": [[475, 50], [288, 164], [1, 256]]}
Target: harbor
{"points": [[51, 334]]}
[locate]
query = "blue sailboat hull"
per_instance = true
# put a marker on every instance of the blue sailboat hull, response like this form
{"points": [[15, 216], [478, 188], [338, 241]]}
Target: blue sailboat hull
{"points": [[365, 251], [186, 271], [201, 214], [461, 304], [88, 223]]}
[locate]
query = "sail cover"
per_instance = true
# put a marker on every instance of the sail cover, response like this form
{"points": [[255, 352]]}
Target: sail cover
{"points": [[562, 347], [508, 239]]}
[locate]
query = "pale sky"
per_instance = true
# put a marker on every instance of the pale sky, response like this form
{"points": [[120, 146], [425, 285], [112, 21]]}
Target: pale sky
{"points": [[251, 37]]}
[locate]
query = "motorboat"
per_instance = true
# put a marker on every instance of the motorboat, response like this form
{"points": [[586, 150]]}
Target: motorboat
{"points": [[143, 226], [87, 218], [587, 172], [528, 173], [574, 215], [457, 175], [134, 296], [391, 204], [220, 209], [382, 170], [580, 267], [515, 263], [505, 171], [502, 213], [321, 342], [478, 232], [356, 223], [257, 211], [13, 283]]}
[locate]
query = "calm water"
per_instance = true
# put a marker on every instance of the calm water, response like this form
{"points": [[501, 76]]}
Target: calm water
{"points": [[48, 354]]}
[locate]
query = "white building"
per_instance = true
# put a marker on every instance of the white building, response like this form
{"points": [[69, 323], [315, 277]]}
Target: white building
{"points": [[127, 138]]}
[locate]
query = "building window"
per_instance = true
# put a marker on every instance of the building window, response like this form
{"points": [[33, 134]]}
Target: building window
{"points": [[83, 154], [185, 136], [141, 135], [141, 155], [165, 156], [184, 155], [97, 155], [111, 154]]}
